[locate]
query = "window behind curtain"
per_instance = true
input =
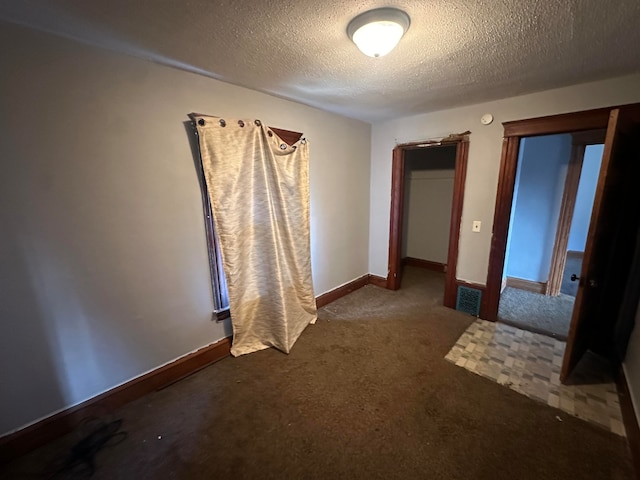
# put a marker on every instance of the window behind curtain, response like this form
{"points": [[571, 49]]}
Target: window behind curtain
{"points": [[218, 279]]}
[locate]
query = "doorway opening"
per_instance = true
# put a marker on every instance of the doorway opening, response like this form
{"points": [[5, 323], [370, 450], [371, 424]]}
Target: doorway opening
{"points": [[426, 208], [600, 322], [555, 185]]}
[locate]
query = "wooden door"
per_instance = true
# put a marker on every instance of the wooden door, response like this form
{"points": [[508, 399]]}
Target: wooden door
{"points": [[598, 279]]}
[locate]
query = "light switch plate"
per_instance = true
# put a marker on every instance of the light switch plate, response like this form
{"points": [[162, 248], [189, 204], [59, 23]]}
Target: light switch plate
{"points": [[476, 226]]}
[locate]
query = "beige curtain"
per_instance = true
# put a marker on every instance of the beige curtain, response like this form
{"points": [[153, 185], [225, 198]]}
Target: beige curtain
{"points": [[259, 190]]}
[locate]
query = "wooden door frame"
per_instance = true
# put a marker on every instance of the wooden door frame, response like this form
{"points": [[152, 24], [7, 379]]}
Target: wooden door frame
{"points": [[397, 214], [579, 143], [513, 132]]}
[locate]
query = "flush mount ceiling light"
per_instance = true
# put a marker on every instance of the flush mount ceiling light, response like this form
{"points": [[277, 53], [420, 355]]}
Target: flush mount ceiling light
{"points": [[378, 31]]}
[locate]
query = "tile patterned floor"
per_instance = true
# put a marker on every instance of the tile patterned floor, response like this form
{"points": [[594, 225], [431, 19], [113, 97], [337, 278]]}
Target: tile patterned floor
{"points": [[529, 363]]}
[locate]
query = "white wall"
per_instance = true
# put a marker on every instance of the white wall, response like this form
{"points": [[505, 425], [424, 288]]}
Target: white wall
{"points": [[102, 252], [631, 365], [584, 198], [429, 174], [429, 214], [484, 160]]}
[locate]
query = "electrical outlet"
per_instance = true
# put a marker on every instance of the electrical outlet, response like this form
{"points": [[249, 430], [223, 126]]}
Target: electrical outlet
{"points": [[476, 226]]}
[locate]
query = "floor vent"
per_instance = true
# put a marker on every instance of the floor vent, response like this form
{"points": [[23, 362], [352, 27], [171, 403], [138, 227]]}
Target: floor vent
{"points": [[469, 300]]}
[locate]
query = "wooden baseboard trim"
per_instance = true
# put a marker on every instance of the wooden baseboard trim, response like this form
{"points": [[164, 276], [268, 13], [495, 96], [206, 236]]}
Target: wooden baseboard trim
{"points": [[378, 281], [336, 293], [529, 285], [46, 430], [427, 264], [50, 428], [347, 288], [630, 420]]}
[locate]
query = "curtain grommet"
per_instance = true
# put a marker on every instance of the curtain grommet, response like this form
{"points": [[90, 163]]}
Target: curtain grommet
{"points": [[241, 123], [303, 141], [201, 122], [223, 123], [270, 133], [258, 123], [283, 146]]}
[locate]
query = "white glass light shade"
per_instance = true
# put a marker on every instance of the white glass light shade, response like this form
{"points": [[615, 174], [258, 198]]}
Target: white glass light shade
{"points": [[377, 32], [378, 38]]}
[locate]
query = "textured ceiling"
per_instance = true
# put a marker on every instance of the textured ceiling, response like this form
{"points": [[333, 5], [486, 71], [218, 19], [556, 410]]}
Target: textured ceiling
{"points": [[456, 52]]}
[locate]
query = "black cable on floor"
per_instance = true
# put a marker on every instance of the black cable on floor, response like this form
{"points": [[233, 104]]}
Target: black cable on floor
{"points": [[81, 460]]}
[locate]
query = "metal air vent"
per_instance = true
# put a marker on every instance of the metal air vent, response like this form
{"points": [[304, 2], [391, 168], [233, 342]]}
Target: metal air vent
{"points": [[468, 300]]}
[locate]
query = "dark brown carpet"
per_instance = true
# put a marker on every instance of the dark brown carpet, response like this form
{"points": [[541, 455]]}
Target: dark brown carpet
{"points": [[365, 393]]}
